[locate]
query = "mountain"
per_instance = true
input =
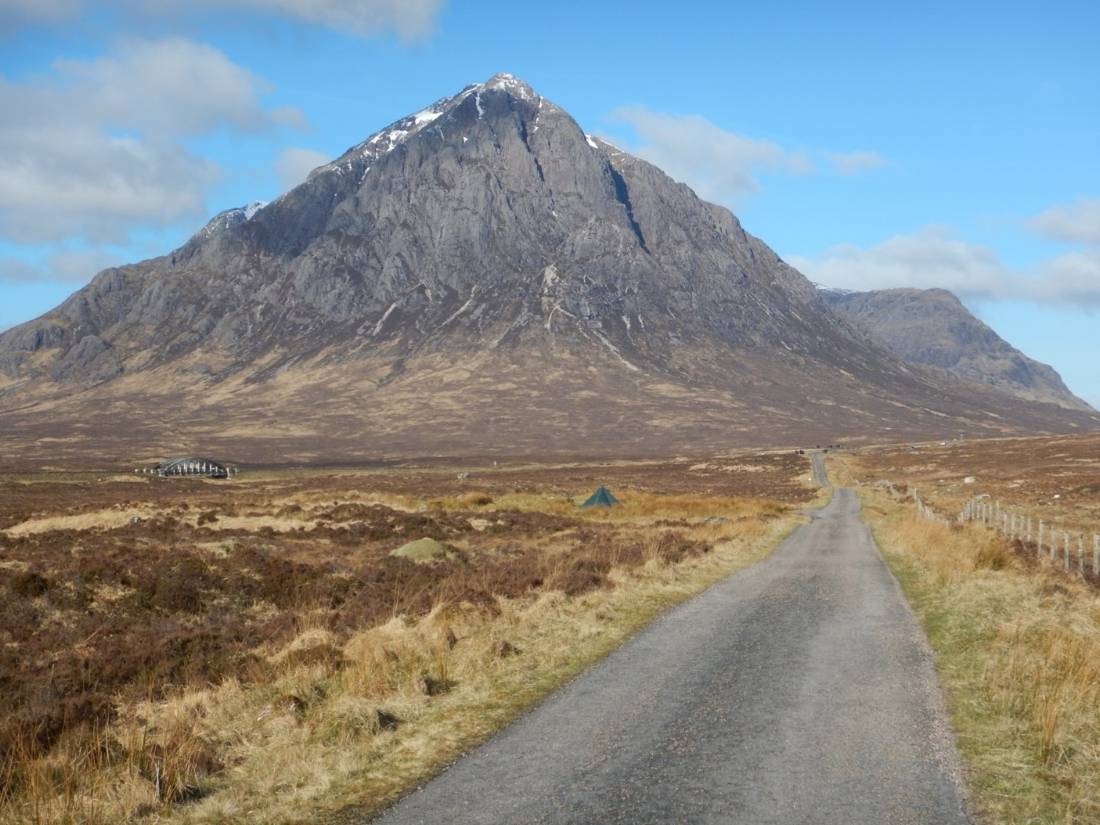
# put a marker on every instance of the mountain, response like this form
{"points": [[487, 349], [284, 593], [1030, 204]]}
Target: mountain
{"points": [[478, 278], [933, 328]]}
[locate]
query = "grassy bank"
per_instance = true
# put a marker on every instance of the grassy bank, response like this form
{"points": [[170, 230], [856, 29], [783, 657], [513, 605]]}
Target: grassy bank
{"points": [[1018, 651]]}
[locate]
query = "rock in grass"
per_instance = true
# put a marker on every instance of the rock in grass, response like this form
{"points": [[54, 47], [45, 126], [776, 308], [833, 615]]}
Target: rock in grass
{"points": [[435, 687], [385, 720], [503, 649], [426, 551]]}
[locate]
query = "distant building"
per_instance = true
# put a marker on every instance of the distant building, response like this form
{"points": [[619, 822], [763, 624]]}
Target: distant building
{"points": [[193, 467]]}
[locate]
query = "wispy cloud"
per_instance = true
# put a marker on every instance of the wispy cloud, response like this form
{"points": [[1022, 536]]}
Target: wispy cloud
{"points": [[96, 148], [295, 163], [408, 19], [718, 164], [852, 163], [1077, 222], [40, 11], [722, 165], [14, 269], [70, 265], [934, 257]]}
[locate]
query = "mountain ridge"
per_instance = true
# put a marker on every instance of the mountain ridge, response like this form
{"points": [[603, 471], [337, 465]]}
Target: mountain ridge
{"points": [[478, 275], [932, 327]]}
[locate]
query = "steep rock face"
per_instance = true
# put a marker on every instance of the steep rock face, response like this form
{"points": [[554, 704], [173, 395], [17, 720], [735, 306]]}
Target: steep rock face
{"points": [[932, 327], [474, 277], [490, 213]]}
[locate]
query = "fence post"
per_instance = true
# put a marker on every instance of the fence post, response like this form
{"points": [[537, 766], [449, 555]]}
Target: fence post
{"points": [[1029, 529], [1096, 555], [1065, 538], [1039, 552], [1081, 556]]}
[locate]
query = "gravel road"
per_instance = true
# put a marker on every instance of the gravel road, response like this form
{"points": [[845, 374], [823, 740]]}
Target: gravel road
{"points": [[800, 690]]}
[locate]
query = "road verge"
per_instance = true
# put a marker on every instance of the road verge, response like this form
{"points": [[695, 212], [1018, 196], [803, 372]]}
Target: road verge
{"points": [[1018, 653]]}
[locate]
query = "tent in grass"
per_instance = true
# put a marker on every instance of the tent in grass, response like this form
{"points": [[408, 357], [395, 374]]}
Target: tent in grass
{"points": [[601, 498]]}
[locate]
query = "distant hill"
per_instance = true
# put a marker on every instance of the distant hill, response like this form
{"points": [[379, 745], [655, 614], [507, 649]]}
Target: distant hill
{"points": [[934, 328], [478, 278]]}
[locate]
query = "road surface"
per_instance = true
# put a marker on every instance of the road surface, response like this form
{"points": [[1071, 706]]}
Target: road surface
{"points": [[820, 474], [797, 691]]}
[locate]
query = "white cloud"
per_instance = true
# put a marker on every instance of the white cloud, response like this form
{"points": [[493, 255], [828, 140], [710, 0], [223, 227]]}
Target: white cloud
{"points": [[170, 87], [852, 163], [80, 265], [409, 19], [928, 258], [719, 165], [1078, 222], [722, 165], [1076, 276], [94, 149], [933, 257], [295, 163], [70, 265], [42, 11], [14, 269]]}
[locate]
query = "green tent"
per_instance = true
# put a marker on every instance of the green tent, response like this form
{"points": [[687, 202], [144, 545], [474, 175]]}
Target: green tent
{"points": [[601, 498]]}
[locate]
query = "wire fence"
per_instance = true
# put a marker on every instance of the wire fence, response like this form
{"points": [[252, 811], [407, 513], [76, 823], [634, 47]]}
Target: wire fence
{"points": [[1071, 549]]}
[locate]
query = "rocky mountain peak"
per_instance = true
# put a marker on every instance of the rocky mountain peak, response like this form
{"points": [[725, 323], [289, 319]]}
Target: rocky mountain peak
{"points": [[932, 327], [502, 81], [483, 241]]}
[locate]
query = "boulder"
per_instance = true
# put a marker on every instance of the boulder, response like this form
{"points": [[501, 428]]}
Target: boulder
{"points": [[426, 551]]}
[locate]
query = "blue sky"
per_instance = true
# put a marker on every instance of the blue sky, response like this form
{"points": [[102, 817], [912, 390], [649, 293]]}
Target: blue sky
{"points": [[871, 144]]}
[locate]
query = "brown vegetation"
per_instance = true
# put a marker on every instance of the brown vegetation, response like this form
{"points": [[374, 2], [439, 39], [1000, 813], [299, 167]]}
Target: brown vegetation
{"points": [[1054, 478], [152, 660]]}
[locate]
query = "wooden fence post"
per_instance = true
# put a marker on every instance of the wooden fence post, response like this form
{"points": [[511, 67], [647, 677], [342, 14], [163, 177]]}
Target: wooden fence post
{"points": [[1081, 555], [1096, 555], [1065, 539], [1039, 552]]}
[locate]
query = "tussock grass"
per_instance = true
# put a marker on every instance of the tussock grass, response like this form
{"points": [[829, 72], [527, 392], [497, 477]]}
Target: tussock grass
{"points": [[1018, 651], [339, 719]]}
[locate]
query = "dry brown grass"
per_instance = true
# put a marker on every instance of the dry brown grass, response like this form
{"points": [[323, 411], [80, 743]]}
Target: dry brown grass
{"points": [[1054, 478], [1018, 650], [363, 699]]}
